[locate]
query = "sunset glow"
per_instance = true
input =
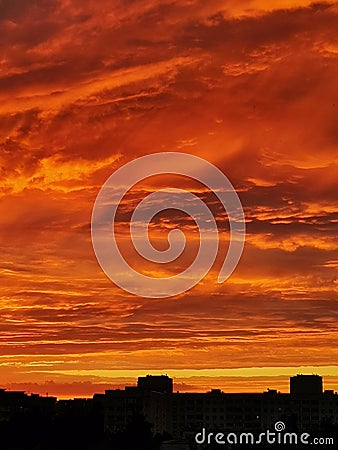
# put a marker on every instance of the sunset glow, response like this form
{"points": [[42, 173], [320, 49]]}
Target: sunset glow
{"points": [[87, 86]]}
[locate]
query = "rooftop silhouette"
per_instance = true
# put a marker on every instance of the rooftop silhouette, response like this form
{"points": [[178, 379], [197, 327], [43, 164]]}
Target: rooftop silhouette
{"points": [[148, 414]]}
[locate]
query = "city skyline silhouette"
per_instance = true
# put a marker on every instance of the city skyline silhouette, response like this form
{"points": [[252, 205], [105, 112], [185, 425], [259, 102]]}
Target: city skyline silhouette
{"points": [[216, 124]]}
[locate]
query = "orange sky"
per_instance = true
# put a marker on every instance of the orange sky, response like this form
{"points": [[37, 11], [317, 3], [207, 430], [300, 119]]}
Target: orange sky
{"points": [[86, 86]]}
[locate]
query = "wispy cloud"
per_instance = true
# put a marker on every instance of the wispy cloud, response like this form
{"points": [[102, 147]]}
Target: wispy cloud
{"points": [[86, 86]]}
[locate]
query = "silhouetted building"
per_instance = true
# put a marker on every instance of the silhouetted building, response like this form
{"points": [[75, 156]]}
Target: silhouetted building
{"points": [[184, 414], [151, 398], [12, 402], [306, 385], [180, 415], [156, 383], [227, 412], [120, 407]]}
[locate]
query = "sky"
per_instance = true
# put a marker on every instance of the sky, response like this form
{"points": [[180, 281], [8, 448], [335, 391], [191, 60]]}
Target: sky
{"points": [[87, 86]]}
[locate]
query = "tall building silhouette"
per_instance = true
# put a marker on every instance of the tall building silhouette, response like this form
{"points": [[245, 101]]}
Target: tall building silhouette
{"points": [[306, 385], [176, 417], [306, 407]]}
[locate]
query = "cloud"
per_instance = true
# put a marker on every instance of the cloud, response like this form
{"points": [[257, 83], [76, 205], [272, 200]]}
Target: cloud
{"points": [[88, 86]]}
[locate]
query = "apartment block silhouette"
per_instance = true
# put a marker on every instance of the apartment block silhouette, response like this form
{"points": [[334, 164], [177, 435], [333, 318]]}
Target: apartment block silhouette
{"points": [[306, 407], [175, 416]]}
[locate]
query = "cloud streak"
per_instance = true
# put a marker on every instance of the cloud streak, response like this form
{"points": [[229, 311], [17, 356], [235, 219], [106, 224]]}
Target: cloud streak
{"points": [[87, 86]]}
